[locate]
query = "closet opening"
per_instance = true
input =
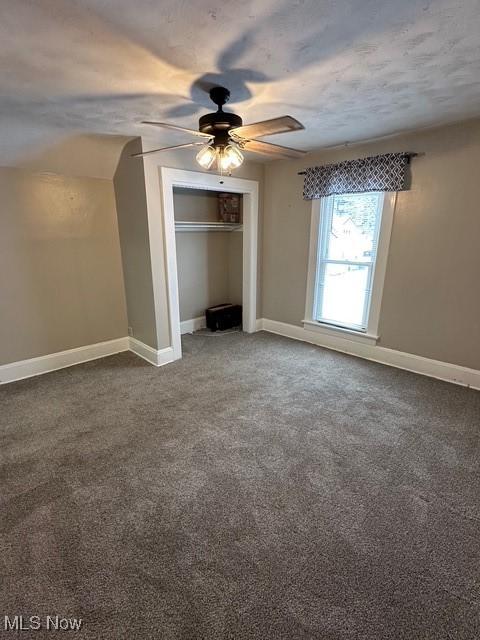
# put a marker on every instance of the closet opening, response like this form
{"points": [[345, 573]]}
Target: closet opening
{"points": [[210, 229], [209, 247]]}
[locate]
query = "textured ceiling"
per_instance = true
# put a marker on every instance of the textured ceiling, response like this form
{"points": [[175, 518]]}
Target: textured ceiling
{"points": [[348, 69]]}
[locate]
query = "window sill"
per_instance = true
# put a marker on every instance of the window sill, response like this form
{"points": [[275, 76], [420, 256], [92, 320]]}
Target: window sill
{"points": [[340, 332]]}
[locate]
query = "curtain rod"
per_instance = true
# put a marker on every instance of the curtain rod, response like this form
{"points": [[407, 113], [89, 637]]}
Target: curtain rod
{"points": [[409, 155]]}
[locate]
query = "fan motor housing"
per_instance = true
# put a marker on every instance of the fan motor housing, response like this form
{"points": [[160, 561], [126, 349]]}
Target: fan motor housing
{"points": [[218, 124]]}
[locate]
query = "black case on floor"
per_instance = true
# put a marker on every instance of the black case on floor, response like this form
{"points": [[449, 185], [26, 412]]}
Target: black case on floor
{"points": [[223, 316]]}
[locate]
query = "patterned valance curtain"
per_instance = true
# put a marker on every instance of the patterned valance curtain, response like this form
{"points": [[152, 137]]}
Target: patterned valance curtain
{"points": [[376, 173]]}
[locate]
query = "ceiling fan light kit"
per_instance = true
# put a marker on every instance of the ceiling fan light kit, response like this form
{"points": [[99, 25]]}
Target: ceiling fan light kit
{"points": [[227, 158], [231, 158], [225, 136], [206, 157]]}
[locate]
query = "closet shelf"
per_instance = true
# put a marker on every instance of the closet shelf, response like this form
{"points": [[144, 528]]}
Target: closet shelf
{"points": [[181, 225]]}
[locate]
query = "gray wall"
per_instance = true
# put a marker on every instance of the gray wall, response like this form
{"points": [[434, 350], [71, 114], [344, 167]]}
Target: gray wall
{"points": [[209, 264], [202, 263], [196, 205], [61, 283], [129, 184], [431, 302]]}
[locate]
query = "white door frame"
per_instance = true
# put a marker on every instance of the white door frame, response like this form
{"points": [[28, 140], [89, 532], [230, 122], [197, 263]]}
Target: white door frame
{"points": [[170, 178]]}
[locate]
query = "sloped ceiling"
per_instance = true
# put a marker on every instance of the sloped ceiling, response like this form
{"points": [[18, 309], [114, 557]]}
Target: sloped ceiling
{"points": [[348, 69]]}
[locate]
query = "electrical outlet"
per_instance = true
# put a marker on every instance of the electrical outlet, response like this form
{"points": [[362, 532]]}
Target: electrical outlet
{"points": [[130, 331]]}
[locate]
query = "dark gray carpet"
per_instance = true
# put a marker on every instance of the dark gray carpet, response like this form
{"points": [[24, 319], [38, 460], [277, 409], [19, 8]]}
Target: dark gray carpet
{"points": [[261, 488]]}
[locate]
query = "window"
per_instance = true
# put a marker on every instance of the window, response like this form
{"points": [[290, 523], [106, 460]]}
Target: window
{"points": [[350, 236]]}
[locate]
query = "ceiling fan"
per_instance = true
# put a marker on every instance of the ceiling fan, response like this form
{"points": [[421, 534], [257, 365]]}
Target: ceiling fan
{"points": [[224, 136]]}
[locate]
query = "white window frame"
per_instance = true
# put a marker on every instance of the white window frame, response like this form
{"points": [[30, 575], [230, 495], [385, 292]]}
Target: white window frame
{"points": [[320, 208]]}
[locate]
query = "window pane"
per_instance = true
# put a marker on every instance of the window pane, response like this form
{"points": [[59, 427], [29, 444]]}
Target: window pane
{"points": [[344, 292], [352, 228]]}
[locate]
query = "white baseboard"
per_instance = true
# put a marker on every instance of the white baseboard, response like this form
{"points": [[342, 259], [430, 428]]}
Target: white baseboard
{"points": [[53, 361], [189, 326], [157, 357], [60, 360], [399, 359], [408, 361]]}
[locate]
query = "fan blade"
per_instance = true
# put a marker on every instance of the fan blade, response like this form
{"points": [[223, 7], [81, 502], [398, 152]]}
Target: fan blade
{"points": [[174, 127], [268, 127], [176, 146], [269, 149]]}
